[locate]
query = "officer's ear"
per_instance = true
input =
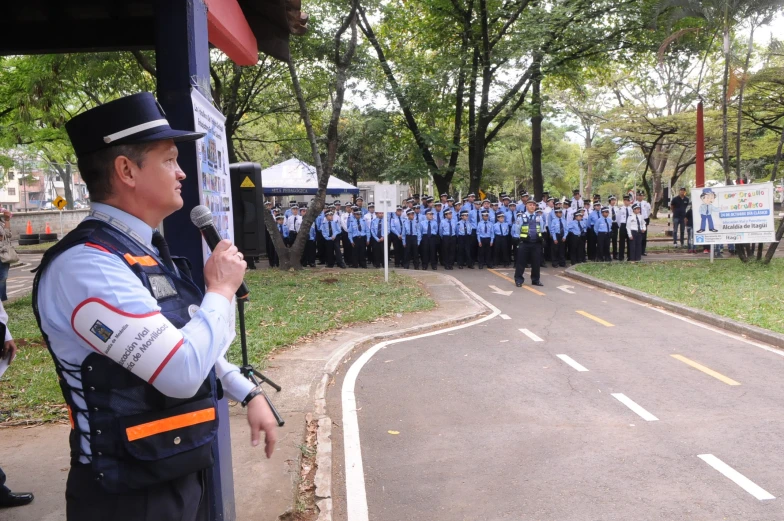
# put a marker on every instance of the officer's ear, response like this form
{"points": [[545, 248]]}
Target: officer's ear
{"points": [[125, 172]]}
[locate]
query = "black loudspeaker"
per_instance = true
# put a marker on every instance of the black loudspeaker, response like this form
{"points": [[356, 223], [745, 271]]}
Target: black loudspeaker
{"points": [[248, 203]]}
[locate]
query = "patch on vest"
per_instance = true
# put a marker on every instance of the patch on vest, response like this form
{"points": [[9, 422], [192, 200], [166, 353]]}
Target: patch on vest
{"points": [[193, 309], [161, 287]]}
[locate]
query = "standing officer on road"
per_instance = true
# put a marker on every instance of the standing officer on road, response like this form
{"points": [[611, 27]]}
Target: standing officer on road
{"points": [[530, 249], [645, 211], [136, 345]]}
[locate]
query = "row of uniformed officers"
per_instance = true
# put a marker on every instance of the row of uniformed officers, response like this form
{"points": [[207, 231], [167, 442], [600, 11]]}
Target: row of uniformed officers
{"points": [[473, 233]]}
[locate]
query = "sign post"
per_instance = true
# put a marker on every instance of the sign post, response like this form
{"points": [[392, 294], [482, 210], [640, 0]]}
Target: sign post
{"points": [[60, 203], [385, 198]]}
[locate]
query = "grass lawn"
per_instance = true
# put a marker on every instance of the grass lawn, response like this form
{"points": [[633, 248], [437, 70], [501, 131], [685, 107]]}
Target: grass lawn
{"points": [[284, 308], [751, 293], [35, 247]]}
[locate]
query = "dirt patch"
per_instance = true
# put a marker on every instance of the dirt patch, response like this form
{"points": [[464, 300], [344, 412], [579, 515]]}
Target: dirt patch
{"points": [[330, 280], [305, 506]]}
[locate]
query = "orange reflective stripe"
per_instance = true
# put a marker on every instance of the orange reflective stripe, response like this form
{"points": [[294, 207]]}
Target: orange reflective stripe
{"points": [[144, 261], [70, 416], [169, 424]]}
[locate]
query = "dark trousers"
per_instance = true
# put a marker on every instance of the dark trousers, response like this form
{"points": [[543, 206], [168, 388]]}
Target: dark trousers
{"points": [[645, 236], [274, 259], [485, 253], [334, 255], [548, 247], [348, 252], [559, 251], [412, 252], [474, 247], [321, 247], [448, 247], [180, 499], [397, 243], [528, 253], [624, 246], [576, 248], [636, 246], [291, 238], [614, 240], [4, 491], [369, 248], [603, 247], [309, 255], [359, 250], [501, 250], [378, 253], [429, 245], [464, 251], [514, 242], [591, 244]]}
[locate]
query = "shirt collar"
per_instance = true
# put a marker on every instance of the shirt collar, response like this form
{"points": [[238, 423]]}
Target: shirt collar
{"points": [[123, 221]]}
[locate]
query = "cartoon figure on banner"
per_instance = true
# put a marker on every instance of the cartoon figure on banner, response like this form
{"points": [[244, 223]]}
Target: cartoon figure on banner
{"points": [[707, 209]]}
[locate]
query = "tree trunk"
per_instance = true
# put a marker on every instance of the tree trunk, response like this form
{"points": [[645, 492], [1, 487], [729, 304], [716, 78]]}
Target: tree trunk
{"points": [[588, 167], [725, 147], [778, 157], [536, 130], [442, 184], [740, 101]]}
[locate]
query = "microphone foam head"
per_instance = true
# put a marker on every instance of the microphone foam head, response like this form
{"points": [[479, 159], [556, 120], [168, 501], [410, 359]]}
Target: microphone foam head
{"points": [[201, 216]]}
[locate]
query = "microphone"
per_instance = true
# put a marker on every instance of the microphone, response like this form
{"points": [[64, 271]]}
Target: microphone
{"points": [[201, 217]]}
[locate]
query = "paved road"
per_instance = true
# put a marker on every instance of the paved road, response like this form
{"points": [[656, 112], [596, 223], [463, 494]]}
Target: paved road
{"points": [[578, 417], [20, 280]]}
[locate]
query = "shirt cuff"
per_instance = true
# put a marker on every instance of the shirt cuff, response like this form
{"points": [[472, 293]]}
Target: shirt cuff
{"points": [[213, 302], [234, 384], [8, 336]]}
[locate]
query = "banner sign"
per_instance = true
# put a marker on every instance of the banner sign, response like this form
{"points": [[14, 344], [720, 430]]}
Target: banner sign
{"points": [[733, 214], [213, 163]]}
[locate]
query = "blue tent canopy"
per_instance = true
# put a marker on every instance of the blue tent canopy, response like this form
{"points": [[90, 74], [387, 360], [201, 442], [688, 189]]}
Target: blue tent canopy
{"points": [[295, 177]]}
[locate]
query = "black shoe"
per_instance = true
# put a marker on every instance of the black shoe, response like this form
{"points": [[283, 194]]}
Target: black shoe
{"points": [[644, 254], [714, 231], [519, 284], [16, 499], [555, 265], [699, 231], [481, 267], [563, 265], [460, 267], [471, 267], [537, 283]]}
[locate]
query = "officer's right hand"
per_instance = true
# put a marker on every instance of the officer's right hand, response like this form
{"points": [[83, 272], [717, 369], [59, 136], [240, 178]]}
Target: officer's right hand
{"points": [[225, 269]]}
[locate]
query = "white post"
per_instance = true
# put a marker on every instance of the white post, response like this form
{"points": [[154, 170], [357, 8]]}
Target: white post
{"points": [[61, 224], [711, 252], [386, 243]]}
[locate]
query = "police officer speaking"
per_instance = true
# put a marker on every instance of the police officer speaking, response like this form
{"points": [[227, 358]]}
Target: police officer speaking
{"points": [[530, 249], [137, 347]]}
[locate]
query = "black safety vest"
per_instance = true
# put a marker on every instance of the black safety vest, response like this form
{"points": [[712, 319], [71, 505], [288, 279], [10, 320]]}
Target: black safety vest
{"points": [[138, 436]]}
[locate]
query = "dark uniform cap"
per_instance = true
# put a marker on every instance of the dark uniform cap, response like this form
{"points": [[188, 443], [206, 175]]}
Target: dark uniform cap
{"points": [[329, 213], [499, 215], [438, 203], [336, 203], [575, 192], [415, 196], [356, 210], [450, 199], [471, 195], [513, 204], [417, 206], [626, 197], [360, 199], [278, 217], [524, 194], [550, 199], [555, 210], [410, 200], [597, 196], [636, 206], [640, 192], [448, 210], [444, 195], [267, 202], [597, 203], [463, 212], [398, 208], [137, 118], [371, 205], [612, 197], [409, 211], [579, 212], [430, 212], [605, 209], [485, 212]]}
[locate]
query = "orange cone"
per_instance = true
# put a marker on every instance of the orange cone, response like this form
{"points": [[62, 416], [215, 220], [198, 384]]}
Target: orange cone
{"points": [[29, 228], [48, 229]]}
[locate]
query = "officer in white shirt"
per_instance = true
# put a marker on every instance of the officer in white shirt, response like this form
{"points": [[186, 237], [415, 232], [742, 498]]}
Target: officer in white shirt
{"points": [[635, 229], [645, 211], [293, 223], [621, 217]]}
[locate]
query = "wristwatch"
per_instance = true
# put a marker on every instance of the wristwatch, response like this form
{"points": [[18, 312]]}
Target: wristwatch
{"points": [[251, 395]]}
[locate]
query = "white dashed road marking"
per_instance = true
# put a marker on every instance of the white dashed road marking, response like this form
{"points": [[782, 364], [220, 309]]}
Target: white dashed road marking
{"points": [[738, 478], [531, 335], [642, 413], [569, 361]]}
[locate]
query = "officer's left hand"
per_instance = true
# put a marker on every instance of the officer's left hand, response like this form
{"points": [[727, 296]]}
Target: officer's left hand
{"points": [[8, 351], [260, 418]]}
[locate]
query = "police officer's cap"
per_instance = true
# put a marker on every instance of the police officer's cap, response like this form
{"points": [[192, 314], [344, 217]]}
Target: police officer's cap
{"points": [[513, 204], [530, 201], [409, 211], [450, 199], [605, 209], [575, 192], [471, 195], [597, 196], [448, 210], [550, 199], [137, 118], [417, 206], [640, 192], [636, 206], [463, 212], [330, 212], [597, 203], [579, 212], [267, 202], [485, 212], [360, 199], [398, 208], [336, 203], [626, 197], [410, 200], [415, 196], [539, 210], [371, 205], [558, 210], [438, 203], [356, 210], [612, 198], [494, 203], [279, 217], [524, 194], [499, 215], [502, 195], [444, 195], [428, 212]]}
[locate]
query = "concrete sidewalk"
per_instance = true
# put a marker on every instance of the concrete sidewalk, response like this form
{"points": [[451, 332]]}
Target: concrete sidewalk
{"points": [[36, 458]]}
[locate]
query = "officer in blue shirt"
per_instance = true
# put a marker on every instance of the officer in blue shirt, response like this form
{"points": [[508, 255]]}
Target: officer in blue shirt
{"points": [[412, 236], [359, 231], [501, 241], [429, 242], [377, 239], [484, 236], [576, 232], [448, 235], [321, 244], [474, 218], [396, 235], [132, 338], [464, 241], [602, 227], [529, 251], [558, 236], [331, 231], [594, 216]]}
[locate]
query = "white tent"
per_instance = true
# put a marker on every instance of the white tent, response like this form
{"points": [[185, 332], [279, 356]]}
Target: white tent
{"points": [[295, 177]]}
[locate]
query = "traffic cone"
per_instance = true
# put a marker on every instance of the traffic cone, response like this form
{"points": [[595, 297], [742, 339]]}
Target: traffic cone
{"points": [[48, 229], [29, 228]]}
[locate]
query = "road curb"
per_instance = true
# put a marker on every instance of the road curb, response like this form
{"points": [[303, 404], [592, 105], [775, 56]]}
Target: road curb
{"points": [[323, 477], [733, 326]]}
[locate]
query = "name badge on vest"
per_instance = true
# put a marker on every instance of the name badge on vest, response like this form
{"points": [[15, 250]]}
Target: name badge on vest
{"points": [[161, 287]]}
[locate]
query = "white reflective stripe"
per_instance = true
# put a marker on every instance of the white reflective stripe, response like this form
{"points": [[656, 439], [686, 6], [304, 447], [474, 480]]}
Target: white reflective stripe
{"points": [[143, 344], [133, 130]]}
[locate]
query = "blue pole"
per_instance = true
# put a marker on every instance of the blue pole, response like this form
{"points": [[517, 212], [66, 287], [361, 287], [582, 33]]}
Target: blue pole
{"points": [[182, 62]]}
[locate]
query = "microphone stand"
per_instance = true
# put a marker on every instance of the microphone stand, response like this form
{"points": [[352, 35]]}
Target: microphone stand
{"points": [[248, 371]]}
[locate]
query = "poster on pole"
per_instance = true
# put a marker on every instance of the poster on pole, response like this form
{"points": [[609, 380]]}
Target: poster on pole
{"points": [[733, 214], [213, 166]]}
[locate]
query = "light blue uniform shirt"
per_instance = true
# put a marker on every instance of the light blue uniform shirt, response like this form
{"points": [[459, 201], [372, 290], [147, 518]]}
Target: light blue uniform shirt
{"points": [[330, 229], [396, 224], [464, 228], [376, 225], [428, 225], [602, 224], [82, 272], [312, 235], [558, 226], [501, 229], [411, 227], [448, 228], [576, 227], [474, 217], [593, 217], [484, 230], [358, 228]]}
